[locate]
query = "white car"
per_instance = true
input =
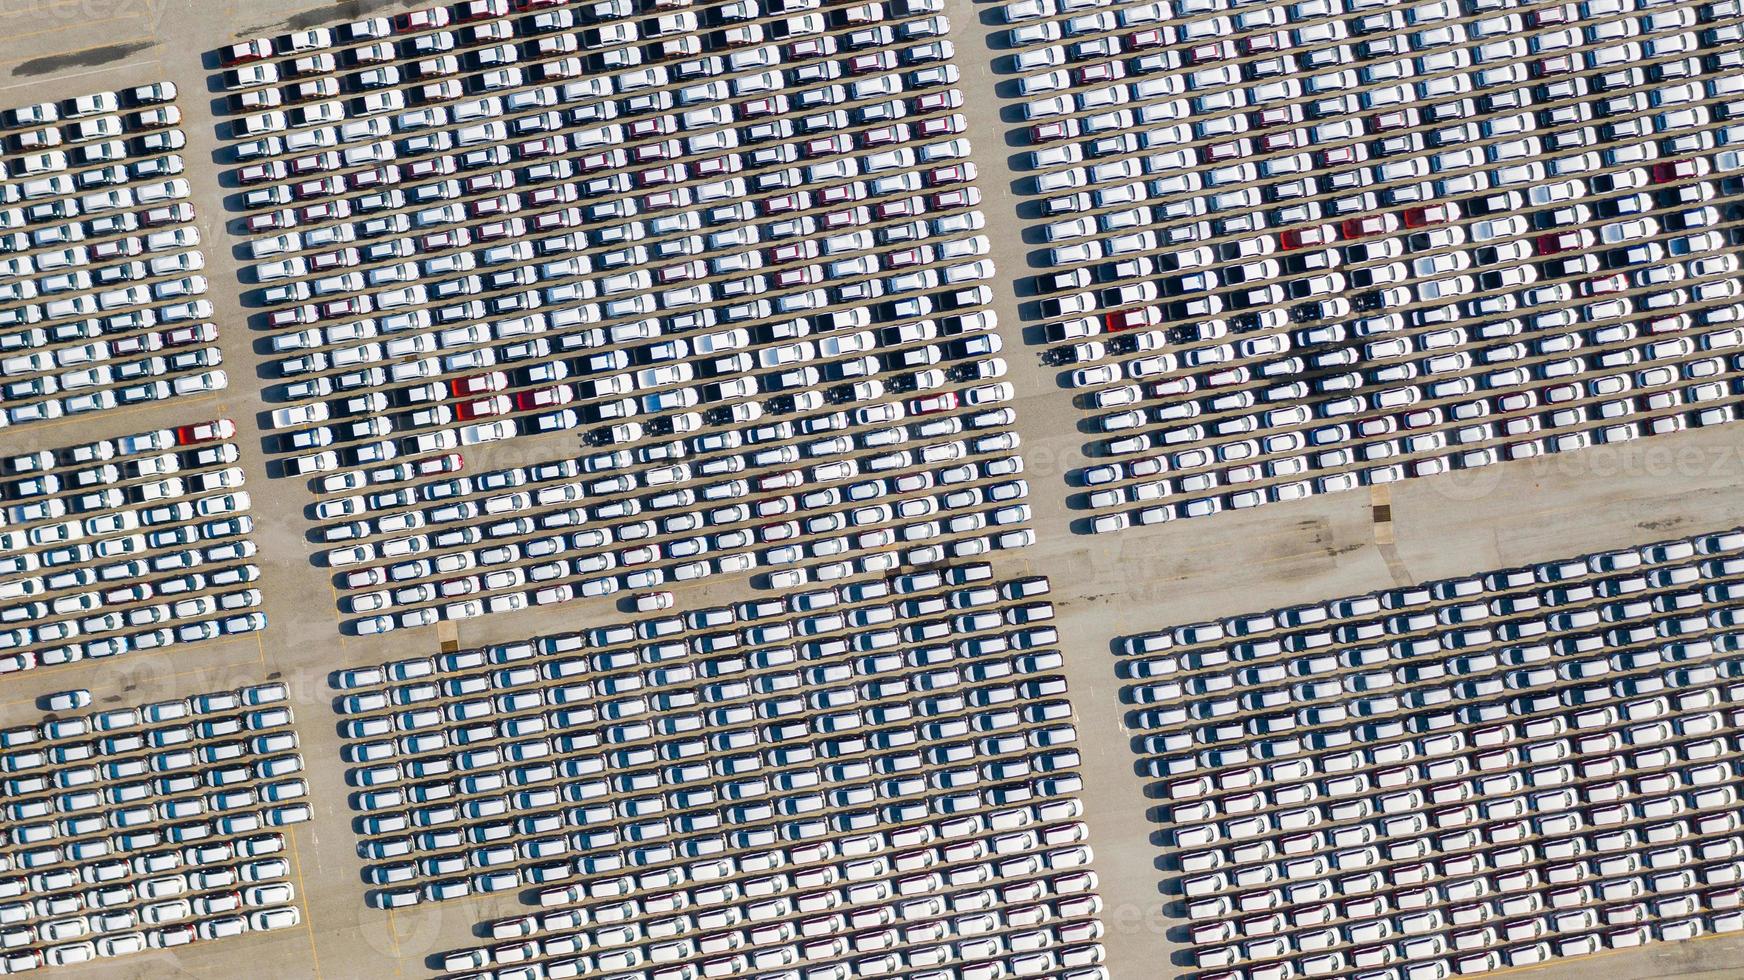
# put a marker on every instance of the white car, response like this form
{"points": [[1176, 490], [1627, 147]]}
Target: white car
{"points": [[67, 700], [299, 415]]}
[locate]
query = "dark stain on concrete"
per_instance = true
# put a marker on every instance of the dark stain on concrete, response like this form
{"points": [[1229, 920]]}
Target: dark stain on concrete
{"points": [[343, 11], [87, 58]]}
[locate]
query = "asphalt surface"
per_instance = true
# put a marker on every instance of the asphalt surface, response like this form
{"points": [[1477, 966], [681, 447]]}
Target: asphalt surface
{"points": [[1103, 587]]}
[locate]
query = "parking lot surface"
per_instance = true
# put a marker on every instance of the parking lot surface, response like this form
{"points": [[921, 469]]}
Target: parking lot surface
{"points": [[1461, 523]]}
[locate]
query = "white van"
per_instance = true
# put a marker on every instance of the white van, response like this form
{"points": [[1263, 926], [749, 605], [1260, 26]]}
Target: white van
{"points": [[488, 132]]}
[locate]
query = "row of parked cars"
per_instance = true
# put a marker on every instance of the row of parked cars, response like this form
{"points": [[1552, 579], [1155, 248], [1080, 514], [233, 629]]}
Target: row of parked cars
{"points": [[648, 752], [747, 270], [532, 540], [150, 827], [1679, 875], [1217, 210], [1459, 775], [1040, 945], [135, 543], [1654, 386], [102, 303]]}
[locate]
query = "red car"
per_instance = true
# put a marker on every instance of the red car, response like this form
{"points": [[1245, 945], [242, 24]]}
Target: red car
{"points": [[324, 211], [1099, 73], [1259, 44], [1280, 141], [245, 52], [672, 173], [1338, 156], [138, 343], [956, 173], [1203, 53], [422, 20], [649, 152], [902, 207], [506, 228], [167, 214], [933, 404], [762, 107], [187, 435], [319, 187], [1152, 38], [962, 197], [1556, 242], [537, 398], [1667, 171], [478, 384], [328, 261], [1225, 151], [943, 125], [1119, 320], [931, 102], [845, 218], [447, 238], [1434, 214], [1309, 237], [862, 64], [1275, 116], [339, 309], [792, 251], [270, 221], [481, 408], [1054, 129], [446, 463], [840, 194], [656, 126], [260, 173], [795, 201], [316, 163], [193, 333], [380, 176], [1560, 64], [1386, 122], [904, 258], [661, 201], [717, 166]]}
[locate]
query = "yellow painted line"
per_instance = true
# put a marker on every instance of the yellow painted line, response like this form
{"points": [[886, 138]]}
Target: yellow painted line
{"points": [[303, 888], [40, 7], [338, 620], [394, 934]]}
